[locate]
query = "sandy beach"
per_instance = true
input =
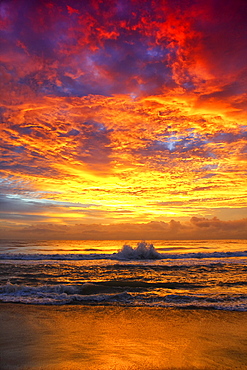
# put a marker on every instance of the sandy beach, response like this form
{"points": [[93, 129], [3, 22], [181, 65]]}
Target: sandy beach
{"points": [[83, 337]]}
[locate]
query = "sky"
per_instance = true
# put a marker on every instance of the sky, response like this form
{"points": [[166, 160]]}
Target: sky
{"points": [[123, 119]]}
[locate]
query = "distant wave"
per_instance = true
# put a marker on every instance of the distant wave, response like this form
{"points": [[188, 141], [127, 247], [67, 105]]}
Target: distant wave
{"points": [[54, 257], [143, 251]]}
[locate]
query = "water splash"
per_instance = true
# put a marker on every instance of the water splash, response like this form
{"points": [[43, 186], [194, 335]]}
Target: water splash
{"points": [[143, 251]]}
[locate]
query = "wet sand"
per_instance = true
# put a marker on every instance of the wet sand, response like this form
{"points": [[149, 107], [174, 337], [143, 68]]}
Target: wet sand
{"points": [[83, 337]]}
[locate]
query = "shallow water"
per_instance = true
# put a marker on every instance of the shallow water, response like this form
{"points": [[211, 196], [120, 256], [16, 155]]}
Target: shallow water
{"points": [[121, 338], [180, 274]]}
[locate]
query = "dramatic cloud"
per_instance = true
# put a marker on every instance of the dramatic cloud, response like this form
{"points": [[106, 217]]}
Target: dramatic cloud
{"points": [[123, 112]]}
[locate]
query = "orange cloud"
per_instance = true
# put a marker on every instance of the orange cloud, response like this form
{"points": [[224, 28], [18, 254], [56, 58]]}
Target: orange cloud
{"points": [[213, 229]]}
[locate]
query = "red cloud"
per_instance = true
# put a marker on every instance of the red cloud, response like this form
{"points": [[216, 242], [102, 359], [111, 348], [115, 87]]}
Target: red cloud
{"points": [[72, 10]]}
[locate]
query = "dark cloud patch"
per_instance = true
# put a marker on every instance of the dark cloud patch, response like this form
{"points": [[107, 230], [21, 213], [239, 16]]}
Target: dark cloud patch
{"points": [[26, 130], [177, 145], [94, 148], [203, 188], [216, 223], [30, 168], [41, 82], [23, 217], [6, 148], [209, 167], [21, 159], [228, 137], [170, 203], [72, 132], [209, 175], [10, 204], [2, 112], [221, 47], [192, 144], [233, 89], [244, 149], [13, 206]]}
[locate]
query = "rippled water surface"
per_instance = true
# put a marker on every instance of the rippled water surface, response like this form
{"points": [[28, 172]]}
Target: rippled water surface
{"points": [[184, 274]]}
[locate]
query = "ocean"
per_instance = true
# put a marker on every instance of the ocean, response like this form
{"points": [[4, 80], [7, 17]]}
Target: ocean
{"points": [[208, 274]]}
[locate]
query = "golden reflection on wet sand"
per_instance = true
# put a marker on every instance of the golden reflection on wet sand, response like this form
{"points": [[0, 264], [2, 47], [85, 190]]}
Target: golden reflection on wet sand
{"points": [[82, 337]]}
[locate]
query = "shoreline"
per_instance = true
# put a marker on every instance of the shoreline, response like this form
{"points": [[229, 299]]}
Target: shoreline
{"points": [[120, 338]]}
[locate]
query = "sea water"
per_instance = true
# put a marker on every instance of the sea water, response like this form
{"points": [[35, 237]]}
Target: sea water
{"points": [[181, 274]]}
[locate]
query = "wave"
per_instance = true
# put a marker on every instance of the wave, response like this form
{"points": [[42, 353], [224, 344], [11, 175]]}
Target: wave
{"points": [[59, 294], [115, 256], [143, 251], [53, 257], [94, 294]]}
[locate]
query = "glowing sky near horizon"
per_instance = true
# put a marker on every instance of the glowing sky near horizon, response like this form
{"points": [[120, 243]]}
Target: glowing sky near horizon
{"points": [[122, 112]]}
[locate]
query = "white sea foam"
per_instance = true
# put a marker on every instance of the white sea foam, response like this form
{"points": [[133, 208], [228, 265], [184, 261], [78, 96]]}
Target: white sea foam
{"points": [[73, 294], [142, 251], [58, 294]]}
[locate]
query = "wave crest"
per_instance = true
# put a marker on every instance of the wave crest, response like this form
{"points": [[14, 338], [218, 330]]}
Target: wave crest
{"points": [[143, 251]]}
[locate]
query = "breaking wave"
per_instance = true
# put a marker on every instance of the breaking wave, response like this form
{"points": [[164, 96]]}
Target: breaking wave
{"points": [[60, 294], [143, 251], [94, 294]]}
